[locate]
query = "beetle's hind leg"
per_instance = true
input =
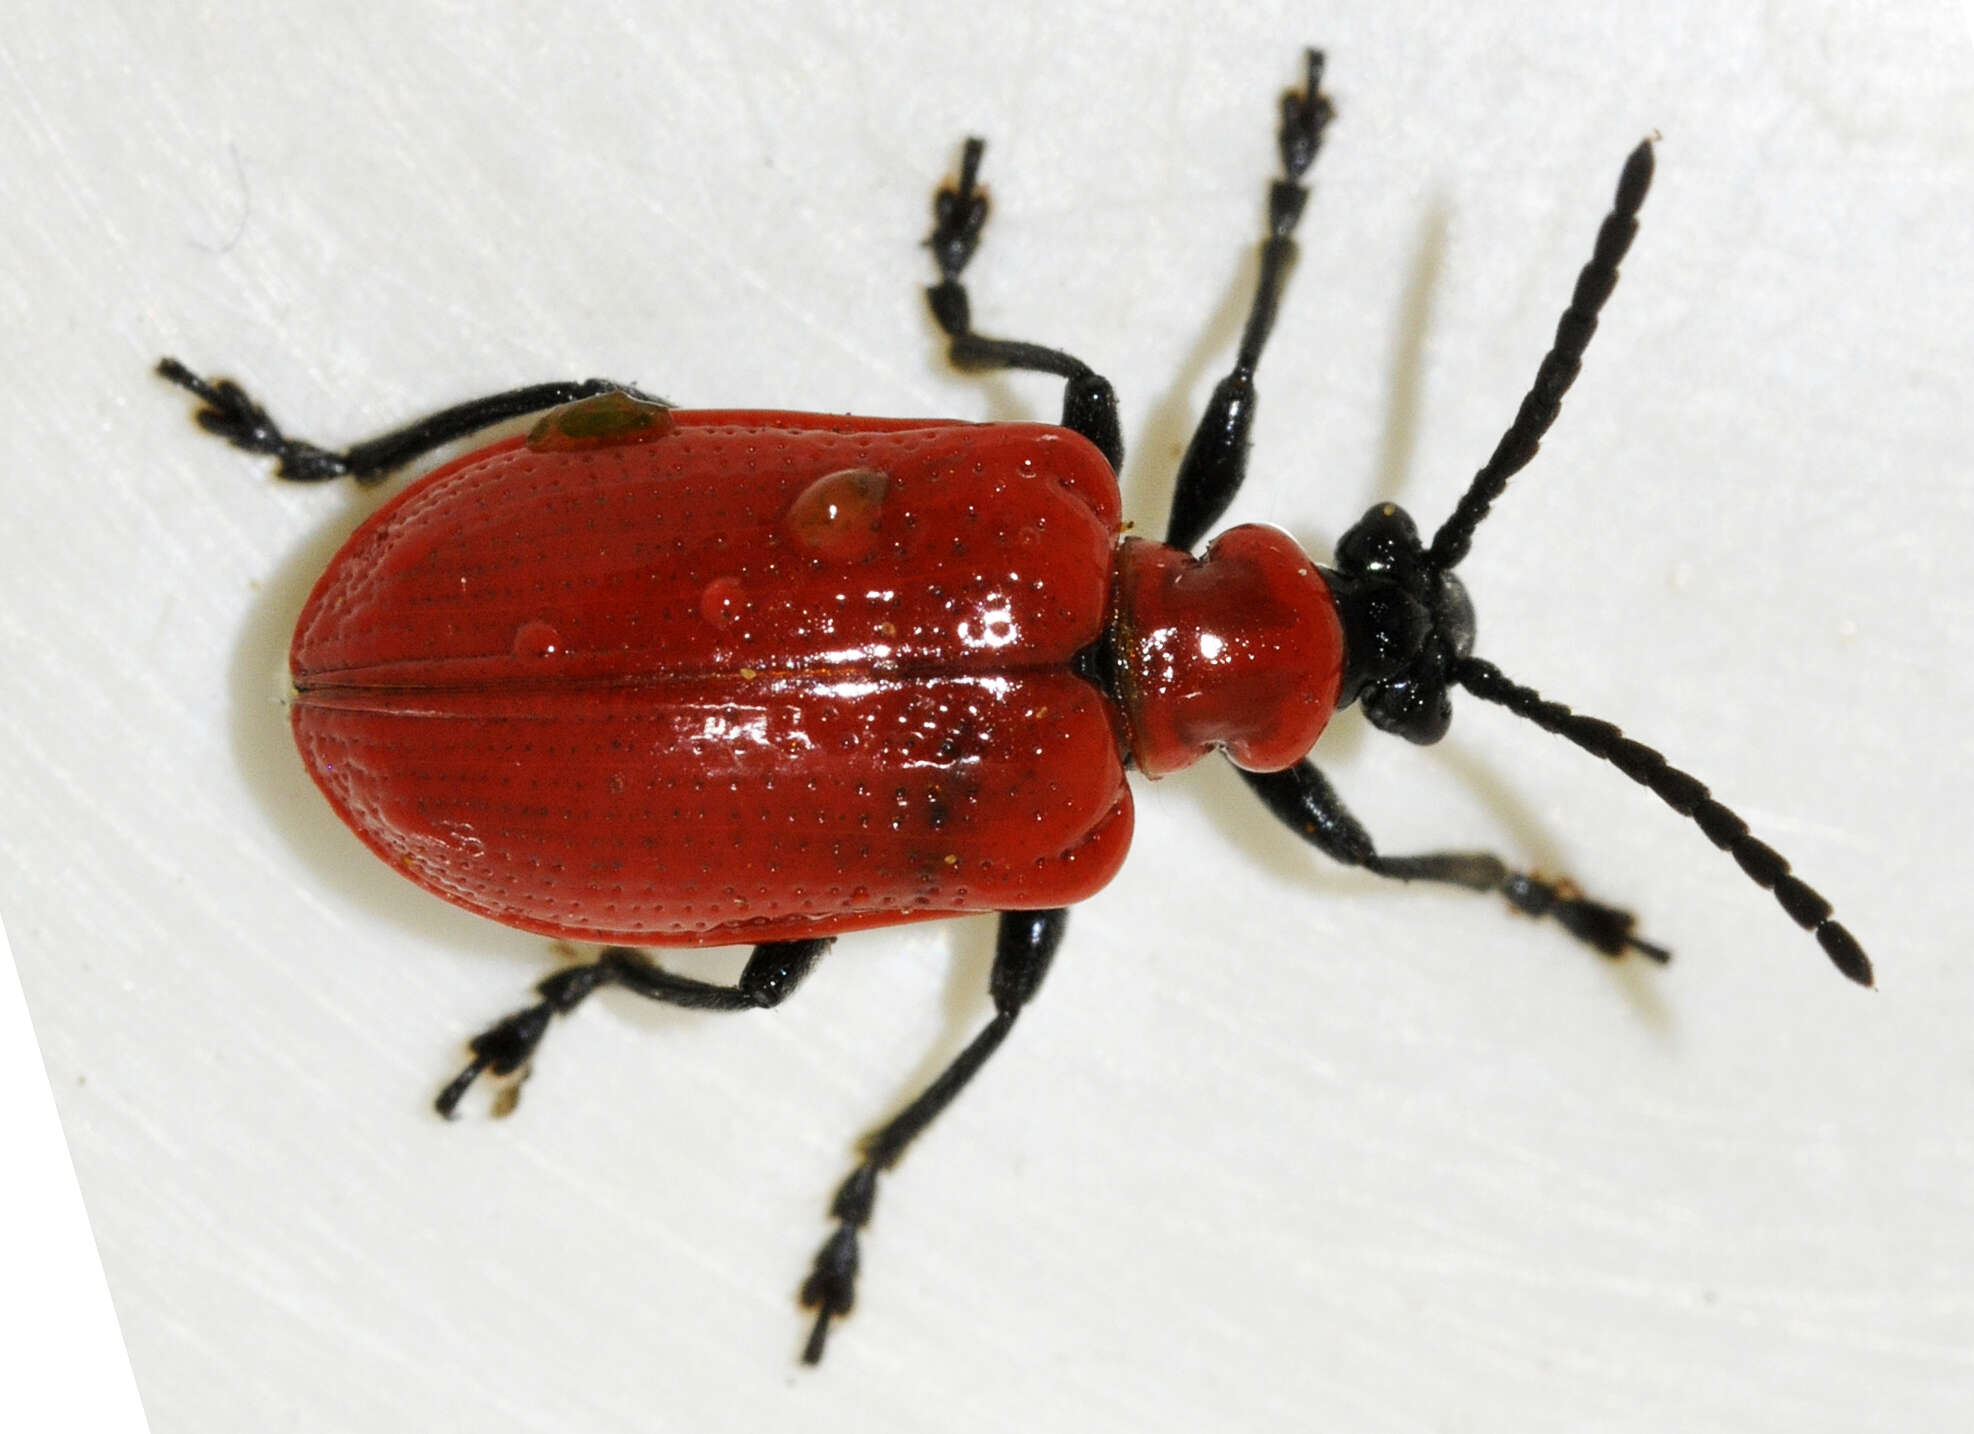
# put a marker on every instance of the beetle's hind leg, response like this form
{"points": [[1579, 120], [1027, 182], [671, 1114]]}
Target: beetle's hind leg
{"points": [[959, 212], [229, 412], [1026, 944], [774, 970], [1303, 800]]}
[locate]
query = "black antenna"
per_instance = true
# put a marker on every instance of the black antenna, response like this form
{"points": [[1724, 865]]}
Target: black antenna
{"points": [[1559, 366], [1685, 794]]}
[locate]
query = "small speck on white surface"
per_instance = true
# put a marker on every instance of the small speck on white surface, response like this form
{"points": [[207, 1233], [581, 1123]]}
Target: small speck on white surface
{"points": [[1277, 1146]]}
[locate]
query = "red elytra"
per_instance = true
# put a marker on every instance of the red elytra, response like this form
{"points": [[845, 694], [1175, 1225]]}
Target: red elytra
{"points": [[667, 677]]}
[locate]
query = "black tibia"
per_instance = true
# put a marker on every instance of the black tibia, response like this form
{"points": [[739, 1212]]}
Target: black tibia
{"points": [[1685, 794], [1028, 941], [1089, 404], [1216, 460], [230, 414], [1304, 801], [504, 1048]]}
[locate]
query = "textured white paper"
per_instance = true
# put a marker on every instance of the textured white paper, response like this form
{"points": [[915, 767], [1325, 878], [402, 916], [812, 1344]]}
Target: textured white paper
{"points": [[1278, 1147]]}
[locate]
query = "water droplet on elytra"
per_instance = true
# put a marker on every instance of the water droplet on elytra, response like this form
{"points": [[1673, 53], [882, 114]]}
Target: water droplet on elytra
{"points": [[536, 639], [837, 516], [722, 601]]}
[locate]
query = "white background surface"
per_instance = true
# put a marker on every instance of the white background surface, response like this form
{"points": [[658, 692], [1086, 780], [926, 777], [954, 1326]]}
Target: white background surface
{"points": [[1278, 1147]]}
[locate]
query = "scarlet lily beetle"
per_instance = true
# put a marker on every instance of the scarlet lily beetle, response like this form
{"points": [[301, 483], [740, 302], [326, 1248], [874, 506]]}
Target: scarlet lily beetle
{"points": [[651, 676]]}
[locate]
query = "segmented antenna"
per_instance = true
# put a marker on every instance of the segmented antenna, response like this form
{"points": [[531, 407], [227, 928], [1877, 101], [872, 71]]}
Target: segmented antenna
{"points": [[1559, 366], [1685, 794]]}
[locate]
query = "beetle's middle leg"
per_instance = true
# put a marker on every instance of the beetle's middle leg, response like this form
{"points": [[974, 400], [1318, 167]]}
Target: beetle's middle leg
{"points": [[230, 413], [1027, 943], [959, 212], [1303, 800], [774, 970]]}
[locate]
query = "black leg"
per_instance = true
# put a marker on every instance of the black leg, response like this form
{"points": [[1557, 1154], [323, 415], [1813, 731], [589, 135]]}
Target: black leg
{"points": [[1216, 460], [773, 971], [231, 414], [1089, 404], [1028, 940], [1303, 800]]}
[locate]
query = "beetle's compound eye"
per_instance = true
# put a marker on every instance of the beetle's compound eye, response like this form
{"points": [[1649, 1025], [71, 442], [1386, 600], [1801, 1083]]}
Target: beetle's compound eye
{"points": [[1414, 704], [1453, 615]]}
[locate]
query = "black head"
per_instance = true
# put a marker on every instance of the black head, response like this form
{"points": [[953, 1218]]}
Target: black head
{"points": [[1406, 623]]}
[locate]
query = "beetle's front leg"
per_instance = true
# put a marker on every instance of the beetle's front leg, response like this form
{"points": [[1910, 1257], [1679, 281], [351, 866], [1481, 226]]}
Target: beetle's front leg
{"points": [[774, 970], [1026, 945], [1302, 799], [1215, 464], [230, 413]]}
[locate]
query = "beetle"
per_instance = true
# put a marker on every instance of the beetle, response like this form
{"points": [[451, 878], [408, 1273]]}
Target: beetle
{"points": [[650, 676]]}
